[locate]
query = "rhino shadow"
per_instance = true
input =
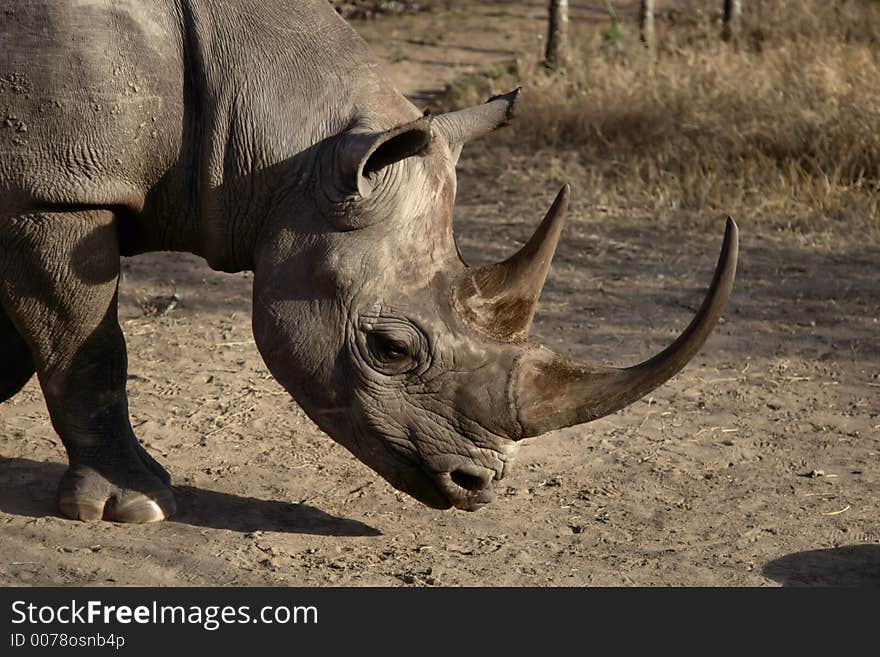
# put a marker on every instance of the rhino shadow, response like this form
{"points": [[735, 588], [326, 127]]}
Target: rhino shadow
{"points": [[208, 508], [850, 565], [27, 488]]}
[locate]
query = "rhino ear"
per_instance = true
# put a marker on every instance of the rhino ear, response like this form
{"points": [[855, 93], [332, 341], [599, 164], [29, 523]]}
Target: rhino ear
{"points": [[363, 155], [460, 127]]}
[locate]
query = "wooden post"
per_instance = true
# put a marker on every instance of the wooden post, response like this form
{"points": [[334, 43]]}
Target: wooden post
{"points": [[557, 35], [646, 25], [731, 20]]}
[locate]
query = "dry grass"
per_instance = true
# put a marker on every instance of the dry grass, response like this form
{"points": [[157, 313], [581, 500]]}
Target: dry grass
{"points": [[371, 9], [785, 127]]}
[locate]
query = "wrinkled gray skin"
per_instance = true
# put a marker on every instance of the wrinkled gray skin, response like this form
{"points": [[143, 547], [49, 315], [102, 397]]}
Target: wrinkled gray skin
{"points": [[260, 134]]}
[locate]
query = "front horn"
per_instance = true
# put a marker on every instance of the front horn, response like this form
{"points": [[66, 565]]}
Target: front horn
{"points": [[551, 392]]}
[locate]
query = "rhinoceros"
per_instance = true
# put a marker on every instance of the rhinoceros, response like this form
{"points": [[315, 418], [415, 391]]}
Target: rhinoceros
{"points": [[262, 135]]}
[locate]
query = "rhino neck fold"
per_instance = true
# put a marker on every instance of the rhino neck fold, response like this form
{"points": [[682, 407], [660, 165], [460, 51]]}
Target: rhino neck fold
{"points": [[257, 109]]}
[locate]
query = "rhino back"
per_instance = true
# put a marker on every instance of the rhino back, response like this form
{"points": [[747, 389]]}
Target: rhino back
{"points": [[156, 105], [91, 100]]}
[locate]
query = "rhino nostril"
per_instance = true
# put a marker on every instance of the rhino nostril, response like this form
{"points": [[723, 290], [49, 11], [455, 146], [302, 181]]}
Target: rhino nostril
{"points": [[469, 482]]}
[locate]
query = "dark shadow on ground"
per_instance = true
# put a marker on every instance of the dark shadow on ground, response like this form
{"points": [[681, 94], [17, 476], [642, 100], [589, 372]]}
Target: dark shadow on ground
{"points": [[27, 488], [208, 508], [851, 565]]}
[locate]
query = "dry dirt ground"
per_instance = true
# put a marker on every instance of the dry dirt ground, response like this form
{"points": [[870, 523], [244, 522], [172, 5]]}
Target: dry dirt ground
{"points": [[758, 465]]}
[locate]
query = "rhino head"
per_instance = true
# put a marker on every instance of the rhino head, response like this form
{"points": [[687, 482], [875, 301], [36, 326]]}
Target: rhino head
{"points": [[418, 364]]}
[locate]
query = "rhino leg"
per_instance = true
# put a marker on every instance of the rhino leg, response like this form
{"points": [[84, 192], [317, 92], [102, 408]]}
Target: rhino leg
{"points": [[60, 289], [16, 364]]}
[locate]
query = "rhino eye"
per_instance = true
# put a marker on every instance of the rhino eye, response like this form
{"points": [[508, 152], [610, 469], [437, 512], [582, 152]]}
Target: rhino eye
{"points": [[388, 350], [392, 345]]}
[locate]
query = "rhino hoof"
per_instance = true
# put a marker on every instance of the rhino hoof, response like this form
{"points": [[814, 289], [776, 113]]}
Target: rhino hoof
{"points": [[84, 494], [133, 507]]}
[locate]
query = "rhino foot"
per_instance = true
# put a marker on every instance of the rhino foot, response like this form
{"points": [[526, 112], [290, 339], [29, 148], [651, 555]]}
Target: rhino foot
{"points": [[127, 495], [153, 465]]}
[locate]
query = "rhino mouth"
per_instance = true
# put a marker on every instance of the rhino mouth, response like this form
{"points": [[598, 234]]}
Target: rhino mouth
{"points": [[468, 487], [416, 482], [466, 484], [439, 482], [426, 490]]}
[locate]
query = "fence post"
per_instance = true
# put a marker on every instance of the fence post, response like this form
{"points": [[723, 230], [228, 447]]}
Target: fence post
{"points": [[557, 35], [646, 25], [731, 20]]}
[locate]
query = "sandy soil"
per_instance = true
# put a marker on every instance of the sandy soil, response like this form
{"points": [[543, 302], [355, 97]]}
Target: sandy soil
{"points": [[758, 465]]}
